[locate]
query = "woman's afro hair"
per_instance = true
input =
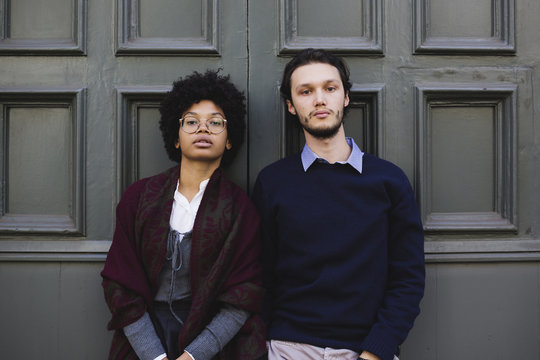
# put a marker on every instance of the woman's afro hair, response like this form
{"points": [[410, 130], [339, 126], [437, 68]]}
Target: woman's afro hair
{"points": [[193, 89]]}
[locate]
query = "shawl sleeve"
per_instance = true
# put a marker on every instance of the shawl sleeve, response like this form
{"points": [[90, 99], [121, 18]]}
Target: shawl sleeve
{"points": [[124, 279], [243, 287]]}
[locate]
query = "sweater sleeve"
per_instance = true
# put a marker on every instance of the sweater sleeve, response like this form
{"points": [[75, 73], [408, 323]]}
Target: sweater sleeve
{"points": [[143, 338], [406, 276], [268, 250], [217, 333]]}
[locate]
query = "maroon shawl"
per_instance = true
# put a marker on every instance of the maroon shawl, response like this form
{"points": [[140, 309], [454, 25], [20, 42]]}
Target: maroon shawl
{"points": [[224, 264]]}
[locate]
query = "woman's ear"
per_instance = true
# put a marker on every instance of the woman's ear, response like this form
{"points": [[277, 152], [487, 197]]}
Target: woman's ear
{"points": [[228, 145], [177, 144]]}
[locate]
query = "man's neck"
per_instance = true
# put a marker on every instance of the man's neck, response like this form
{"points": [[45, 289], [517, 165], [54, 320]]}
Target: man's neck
{"points": [[331, 149]]}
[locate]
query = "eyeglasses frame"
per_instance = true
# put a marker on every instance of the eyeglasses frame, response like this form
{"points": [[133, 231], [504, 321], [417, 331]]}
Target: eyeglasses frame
{"points": [[181, 120]]}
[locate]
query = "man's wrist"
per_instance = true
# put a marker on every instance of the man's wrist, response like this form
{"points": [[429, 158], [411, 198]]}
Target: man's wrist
{"points": [[366, 355]]}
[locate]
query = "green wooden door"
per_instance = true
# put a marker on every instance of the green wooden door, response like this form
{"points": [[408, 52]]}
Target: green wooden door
{"points": [[80, 85], [445, 89]]}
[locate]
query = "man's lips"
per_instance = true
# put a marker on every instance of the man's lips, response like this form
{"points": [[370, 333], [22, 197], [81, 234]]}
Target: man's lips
{"points": [[320, 113]]}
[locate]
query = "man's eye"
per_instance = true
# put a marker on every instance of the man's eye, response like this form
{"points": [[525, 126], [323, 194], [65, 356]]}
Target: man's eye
{"points": [[305, 92], [331, 88]]}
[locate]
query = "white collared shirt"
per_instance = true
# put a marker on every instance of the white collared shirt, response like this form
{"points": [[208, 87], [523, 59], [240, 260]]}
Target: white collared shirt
{"points": [[182, 218], [184, 212]]}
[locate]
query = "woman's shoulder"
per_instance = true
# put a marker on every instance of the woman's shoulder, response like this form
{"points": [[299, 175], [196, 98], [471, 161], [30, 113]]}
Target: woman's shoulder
{"points": [[238, 195], [134, 191], [232, 189]]}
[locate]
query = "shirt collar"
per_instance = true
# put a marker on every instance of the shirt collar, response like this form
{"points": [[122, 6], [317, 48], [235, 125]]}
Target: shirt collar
{"points": [[355, 158], [178, 196]]}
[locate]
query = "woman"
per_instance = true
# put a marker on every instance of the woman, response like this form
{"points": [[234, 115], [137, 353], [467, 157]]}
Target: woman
{"points": [[182, 277]]}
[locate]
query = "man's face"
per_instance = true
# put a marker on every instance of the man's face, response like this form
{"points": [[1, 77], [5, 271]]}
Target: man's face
{"points": [[318, 99]]}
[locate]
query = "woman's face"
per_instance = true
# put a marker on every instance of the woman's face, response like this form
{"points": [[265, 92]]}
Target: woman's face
{"points": [[203, 145]]}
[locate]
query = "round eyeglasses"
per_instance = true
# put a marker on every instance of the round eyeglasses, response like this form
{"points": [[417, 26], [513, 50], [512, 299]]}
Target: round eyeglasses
{"points": [[215, 125]]}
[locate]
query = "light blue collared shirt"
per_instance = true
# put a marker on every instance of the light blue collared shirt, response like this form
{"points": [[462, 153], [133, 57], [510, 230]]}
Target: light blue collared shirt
{"points": [[355, 159]]}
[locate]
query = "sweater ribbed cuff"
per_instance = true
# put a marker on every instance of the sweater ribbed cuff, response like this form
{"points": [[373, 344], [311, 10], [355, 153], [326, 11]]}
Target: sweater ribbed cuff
{"points": [[381, 343], [204, 347], [218, 333], [143, 338]]}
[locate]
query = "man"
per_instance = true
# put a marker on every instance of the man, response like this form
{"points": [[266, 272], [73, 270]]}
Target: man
{"points": [[343, 258]]}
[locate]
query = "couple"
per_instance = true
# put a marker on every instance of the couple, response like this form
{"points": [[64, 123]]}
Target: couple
{"points": [[337, 230]]}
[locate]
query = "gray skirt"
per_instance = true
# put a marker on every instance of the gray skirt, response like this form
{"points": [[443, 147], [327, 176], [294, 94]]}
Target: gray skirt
{"points": [[168, 327]]}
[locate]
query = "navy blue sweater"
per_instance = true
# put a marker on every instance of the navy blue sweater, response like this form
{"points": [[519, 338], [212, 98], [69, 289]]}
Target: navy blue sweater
{"points": [[343, 254]]}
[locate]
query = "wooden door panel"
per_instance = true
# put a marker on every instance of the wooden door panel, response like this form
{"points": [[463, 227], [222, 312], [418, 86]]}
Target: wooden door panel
{"points": [[453, 27], [169, 27], [29, 27]]}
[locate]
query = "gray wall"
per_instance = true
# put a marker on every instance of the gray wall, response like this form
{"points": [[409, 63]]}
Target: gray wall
{"points": [[445, 89]]}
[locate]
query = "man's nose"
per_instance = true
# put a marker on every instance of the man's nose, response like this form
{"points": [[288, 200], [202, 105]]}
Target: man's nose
{"points": [[319, 98]]}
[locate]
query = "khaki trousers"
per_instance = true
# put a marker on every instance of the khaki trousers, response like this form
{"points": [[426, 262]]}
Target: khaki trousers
{"points": [[287, 350]]}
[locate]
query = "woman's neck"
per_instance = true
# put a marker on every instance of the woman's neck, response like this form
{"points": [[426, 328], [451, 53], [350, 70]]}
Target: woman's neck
{"points": [[191, 176]]}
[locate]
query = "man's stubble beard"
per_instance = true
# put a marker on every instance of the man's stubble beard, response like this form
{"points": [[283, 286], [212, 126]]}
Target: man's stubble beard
{"points": [[322, 133]]}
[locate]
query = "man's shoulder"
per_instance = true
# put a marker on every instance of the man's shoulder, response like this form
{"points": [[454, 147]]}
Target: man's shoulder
{"points": [[376, 165], [388, 174], [282, 166]]}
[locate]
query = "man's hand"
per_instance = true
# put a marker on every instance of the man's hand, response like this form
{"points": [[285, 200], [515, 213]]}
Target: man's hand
{"points": [[184, 356], [369, 356]]}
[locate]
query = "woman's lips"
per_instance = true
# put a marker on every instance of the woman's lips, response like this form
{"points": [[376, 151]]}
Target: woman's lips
{"points": [[202, 141]]}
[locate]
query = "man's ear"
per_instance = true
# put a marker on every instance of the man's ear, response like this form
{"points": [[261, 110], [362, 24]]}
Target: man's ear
{"points": [[346, 102], [290, 107], [228, 145]]}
